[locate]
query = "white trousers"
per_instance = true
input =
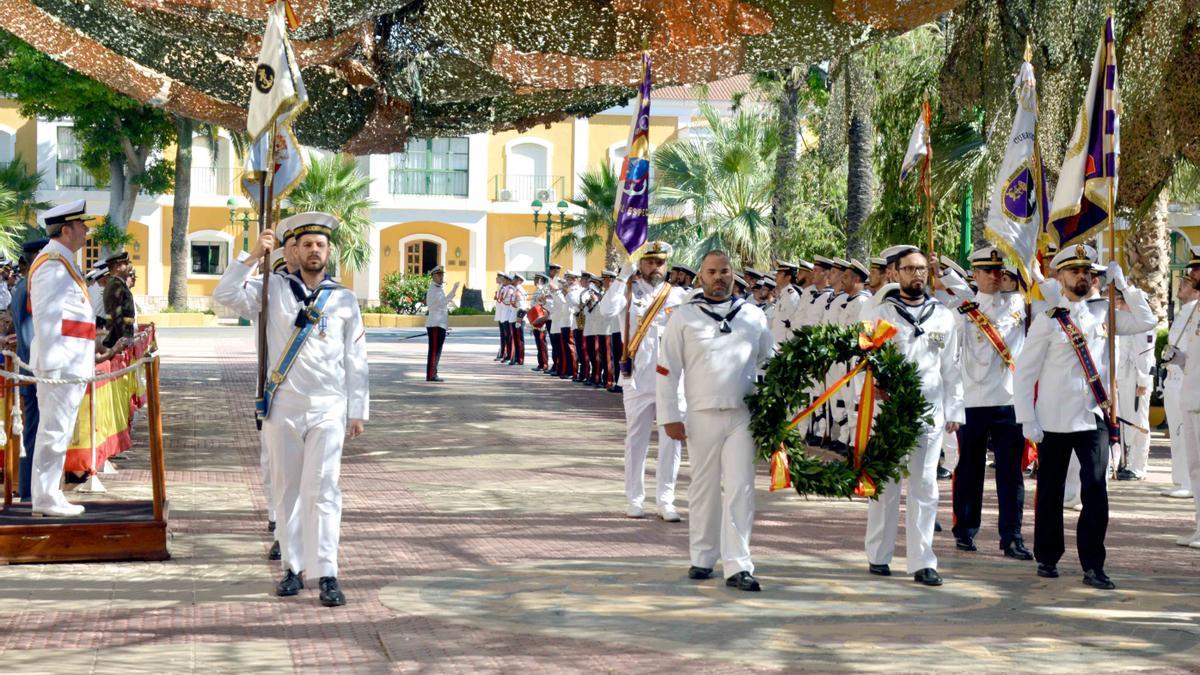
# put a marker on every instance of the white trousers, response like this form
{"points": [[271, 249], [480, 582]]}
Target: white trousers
{"points": [[59, 406], [264, 464], [306, 460], [1135, 444], [1191, 428], [639, 421], [721, 494], [1179, 454], [883, 514]]}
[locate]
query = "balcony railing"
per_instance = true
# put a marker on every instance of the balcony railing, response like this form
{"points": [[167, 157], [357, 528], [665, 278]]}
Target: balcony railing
{"points": [[433, 183], [525, 189], [72, 176], [210, 180]]}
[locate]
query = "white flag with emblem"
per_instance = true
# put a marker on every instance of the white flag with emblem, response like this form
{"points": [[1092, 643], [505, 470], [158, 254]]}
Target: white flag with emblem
{"points": [[277, 94]]}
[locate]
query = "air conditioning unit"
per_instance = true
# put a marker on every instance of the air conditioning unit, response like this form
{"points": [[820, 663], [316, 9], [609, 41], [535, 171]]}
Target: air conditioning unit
{"points": [[506, 195], [546, 196]]}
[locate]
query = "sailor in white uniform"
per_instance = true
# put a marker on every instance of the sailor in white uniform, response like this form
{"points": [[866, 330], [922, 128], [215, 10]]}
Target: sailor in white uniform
{"points": [[786, 317], [1186, 322], [644, 302], [714, 345], [1190, 395], [317, 393], [927, 334]]}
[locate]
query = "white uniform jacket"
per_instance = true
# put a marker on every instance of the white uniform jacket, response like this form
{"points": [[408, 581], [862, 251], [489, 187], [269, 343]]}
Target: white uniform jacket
{"points": [[1135, 359], [574, 306], [593, 323], [932, 345], [641, 296], [64, 326], [1065, 402], [812, 308], [331, 368], [1181, 329], [787, 314], [852, 306], [986, 380], [560, 315], [438, 305], [518, 301], [610, 308], [720, 367]]}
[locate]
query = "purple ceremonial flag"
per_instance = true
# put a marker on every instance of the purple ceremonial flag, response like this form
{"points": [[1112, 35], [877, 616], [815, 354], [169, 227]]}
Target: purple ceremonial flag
{"points": [[633, 183], [1089, 170]]}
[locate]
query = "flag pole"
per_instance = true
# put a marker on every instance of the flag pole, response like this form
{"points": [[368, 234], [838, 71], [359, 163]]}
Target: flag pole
{"points": [[927, 177], [1112, 225], [266, 209]]}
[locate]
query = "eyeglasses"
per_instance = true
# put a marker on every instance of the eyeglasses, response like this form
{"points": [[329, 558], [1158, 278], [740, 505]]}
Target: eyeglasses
{"points": [[914, 270]]}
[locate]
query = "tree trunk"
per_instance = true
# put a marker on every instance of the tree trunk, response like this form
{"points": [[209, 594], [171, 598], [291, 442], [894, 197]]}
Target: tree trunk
{"points": [[116, 189], [783, 193], [860, 139], [612, 257], [177, 290], [1147, 254]]}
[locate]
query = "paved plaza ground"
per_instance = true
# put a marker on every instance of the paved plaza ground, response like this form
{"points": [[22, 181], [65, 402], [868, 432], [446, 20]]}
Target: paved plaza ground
{"points": [[484, 530]]}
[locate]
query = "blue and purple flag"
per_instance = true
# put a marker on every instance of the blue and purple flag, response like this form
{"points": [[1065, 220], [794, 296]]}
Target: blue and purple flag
{"points": [[1089, 171], [633, 183]]}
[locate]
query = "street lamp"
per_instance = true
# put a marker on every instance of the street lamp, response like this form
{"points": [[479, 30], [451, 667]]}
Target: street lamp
{"points": [[561, 207], [246, 220]]}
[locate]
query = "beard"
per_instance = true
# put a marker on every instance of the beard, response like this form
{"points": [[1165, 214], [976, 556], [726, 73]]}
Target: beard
{"points": [[913, 289], [717, 291], [655, 278], [313, 264], [1082, 287]]}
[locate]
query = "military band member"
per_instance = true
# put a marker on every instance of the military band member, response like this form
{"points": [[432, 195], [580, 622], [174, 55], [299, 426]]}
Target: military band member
{"points": [[63, 347], [592, 329], [1063, 357], [500, 314], [927, 335], [539, 319], [644, 300], [576, 301], [608, 325], [566, 299], [316, 394], [714, 345], [551, 303], [438, 320], [992, 325], [518, 307]]}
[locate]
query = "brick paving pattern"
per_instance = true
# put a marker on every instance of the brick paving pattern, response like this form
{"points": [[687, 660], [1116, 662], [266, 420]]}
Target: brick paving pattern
{"points": [[484, 531]]}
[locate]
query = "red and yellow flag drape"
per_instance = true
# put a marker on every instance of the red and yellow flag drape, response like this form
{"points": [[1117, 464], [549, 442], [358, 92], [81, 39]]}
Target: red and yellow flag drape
{"points": [[116, 401], [872, 336]]}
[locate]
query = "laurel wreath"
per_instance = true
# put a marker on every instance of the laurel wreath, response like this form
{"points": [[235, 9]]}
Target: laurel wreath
{"points": [[801, 365]]}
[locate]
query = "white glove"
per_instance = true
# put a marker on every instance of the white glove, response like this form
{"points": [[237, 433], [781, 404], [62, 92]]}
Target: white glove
{"points": [[1173, 356], [1116, 276], [1035, 271], [626, 272], [1032, 431]]}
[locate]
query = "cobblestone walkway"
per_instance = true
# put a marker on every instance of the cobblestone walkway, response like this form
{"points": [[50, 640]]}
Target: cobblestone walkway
{"points": [[484, 531]]}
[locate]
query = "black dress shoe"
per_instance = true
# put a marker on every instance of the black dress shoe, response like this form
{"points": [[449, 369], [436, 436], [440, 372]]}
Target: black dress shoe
{"points": [[274, 554], [537, 369], [937, 527], [434, 379], [881, 570], [1047, 571], [331, 595], [964, 544], [700, 572], [290, 585], [1017, 551], [270, 526], [616, 390], [1098, 579], [943, 473], [928, 576], [743, 581]]}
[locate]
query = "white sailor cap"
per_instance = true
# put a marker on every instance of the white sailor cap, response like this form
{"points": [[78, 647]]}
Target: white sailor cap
{"points": [[987, 258], [948, 263], [504, 275], [859, 268], [840, 263], [766, 281], [822, 261], [752, 273], [894, 253], [517, 276], [1079, 255], [312, 222], [99, 269], [1097, 268], [609, 274], [436, 270], [657, 250], [785, 266], [62, 214], [738, 280], [685, 269], [879, 263], [571, 274]]}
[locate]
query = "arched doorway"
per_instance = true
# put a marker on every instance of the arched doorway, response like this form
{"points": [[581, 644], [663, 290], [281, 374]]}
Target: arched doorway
{"points": [[421, 255]]}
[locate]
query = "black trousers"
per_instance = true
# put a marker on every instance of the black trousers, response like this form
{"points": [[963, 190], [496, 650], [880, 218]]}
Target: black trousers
{"points": [[994, 426], [437, 338], [592, 371], [567, 367], [581, 360], [29, 409], [539, 339], [616, 349], [602, 360], [505, 341], [555, 348], [1054, 456]]}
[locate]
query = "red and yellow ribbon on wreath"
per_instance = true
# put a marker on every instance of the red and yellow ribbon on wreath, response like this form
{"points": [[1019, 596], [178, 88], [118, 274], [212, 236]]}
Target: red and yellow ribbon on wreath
{"points": [[873, 336]]}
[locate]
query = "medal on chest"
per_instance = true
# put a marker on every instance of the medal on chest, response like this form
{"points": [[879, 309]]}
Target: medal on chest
{"points": [[322, 325], [937, 338]]}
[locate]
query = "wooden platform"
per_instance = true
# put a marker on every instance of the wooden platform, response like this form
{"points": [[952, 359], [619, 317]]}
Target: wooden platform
{"points": [[107, 531]]}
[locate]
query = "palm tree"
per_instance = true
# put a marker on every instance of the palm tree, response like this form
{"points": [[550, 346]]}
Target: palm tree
{"points": [[597, 227], [335, 186], [715, 193], [14, 178], [10, 223]]}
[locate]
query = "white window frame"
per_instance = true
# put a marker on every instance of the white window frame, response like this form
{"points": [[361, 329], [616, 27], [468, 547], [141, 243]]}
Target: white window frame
{"points": [[540, 261], [209, 237]]}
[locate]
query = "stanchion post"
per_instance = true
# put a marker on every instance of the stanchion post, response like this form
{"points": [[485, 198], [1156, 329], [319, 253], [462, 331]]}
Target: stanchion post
{"points": [[158, 471], [10, 457]]}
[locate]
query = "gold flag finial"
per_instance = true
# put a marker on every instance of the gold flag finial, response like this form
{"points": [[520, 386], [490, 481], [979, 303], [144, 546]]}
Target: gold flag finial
{"points": [[1028, 49]]}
